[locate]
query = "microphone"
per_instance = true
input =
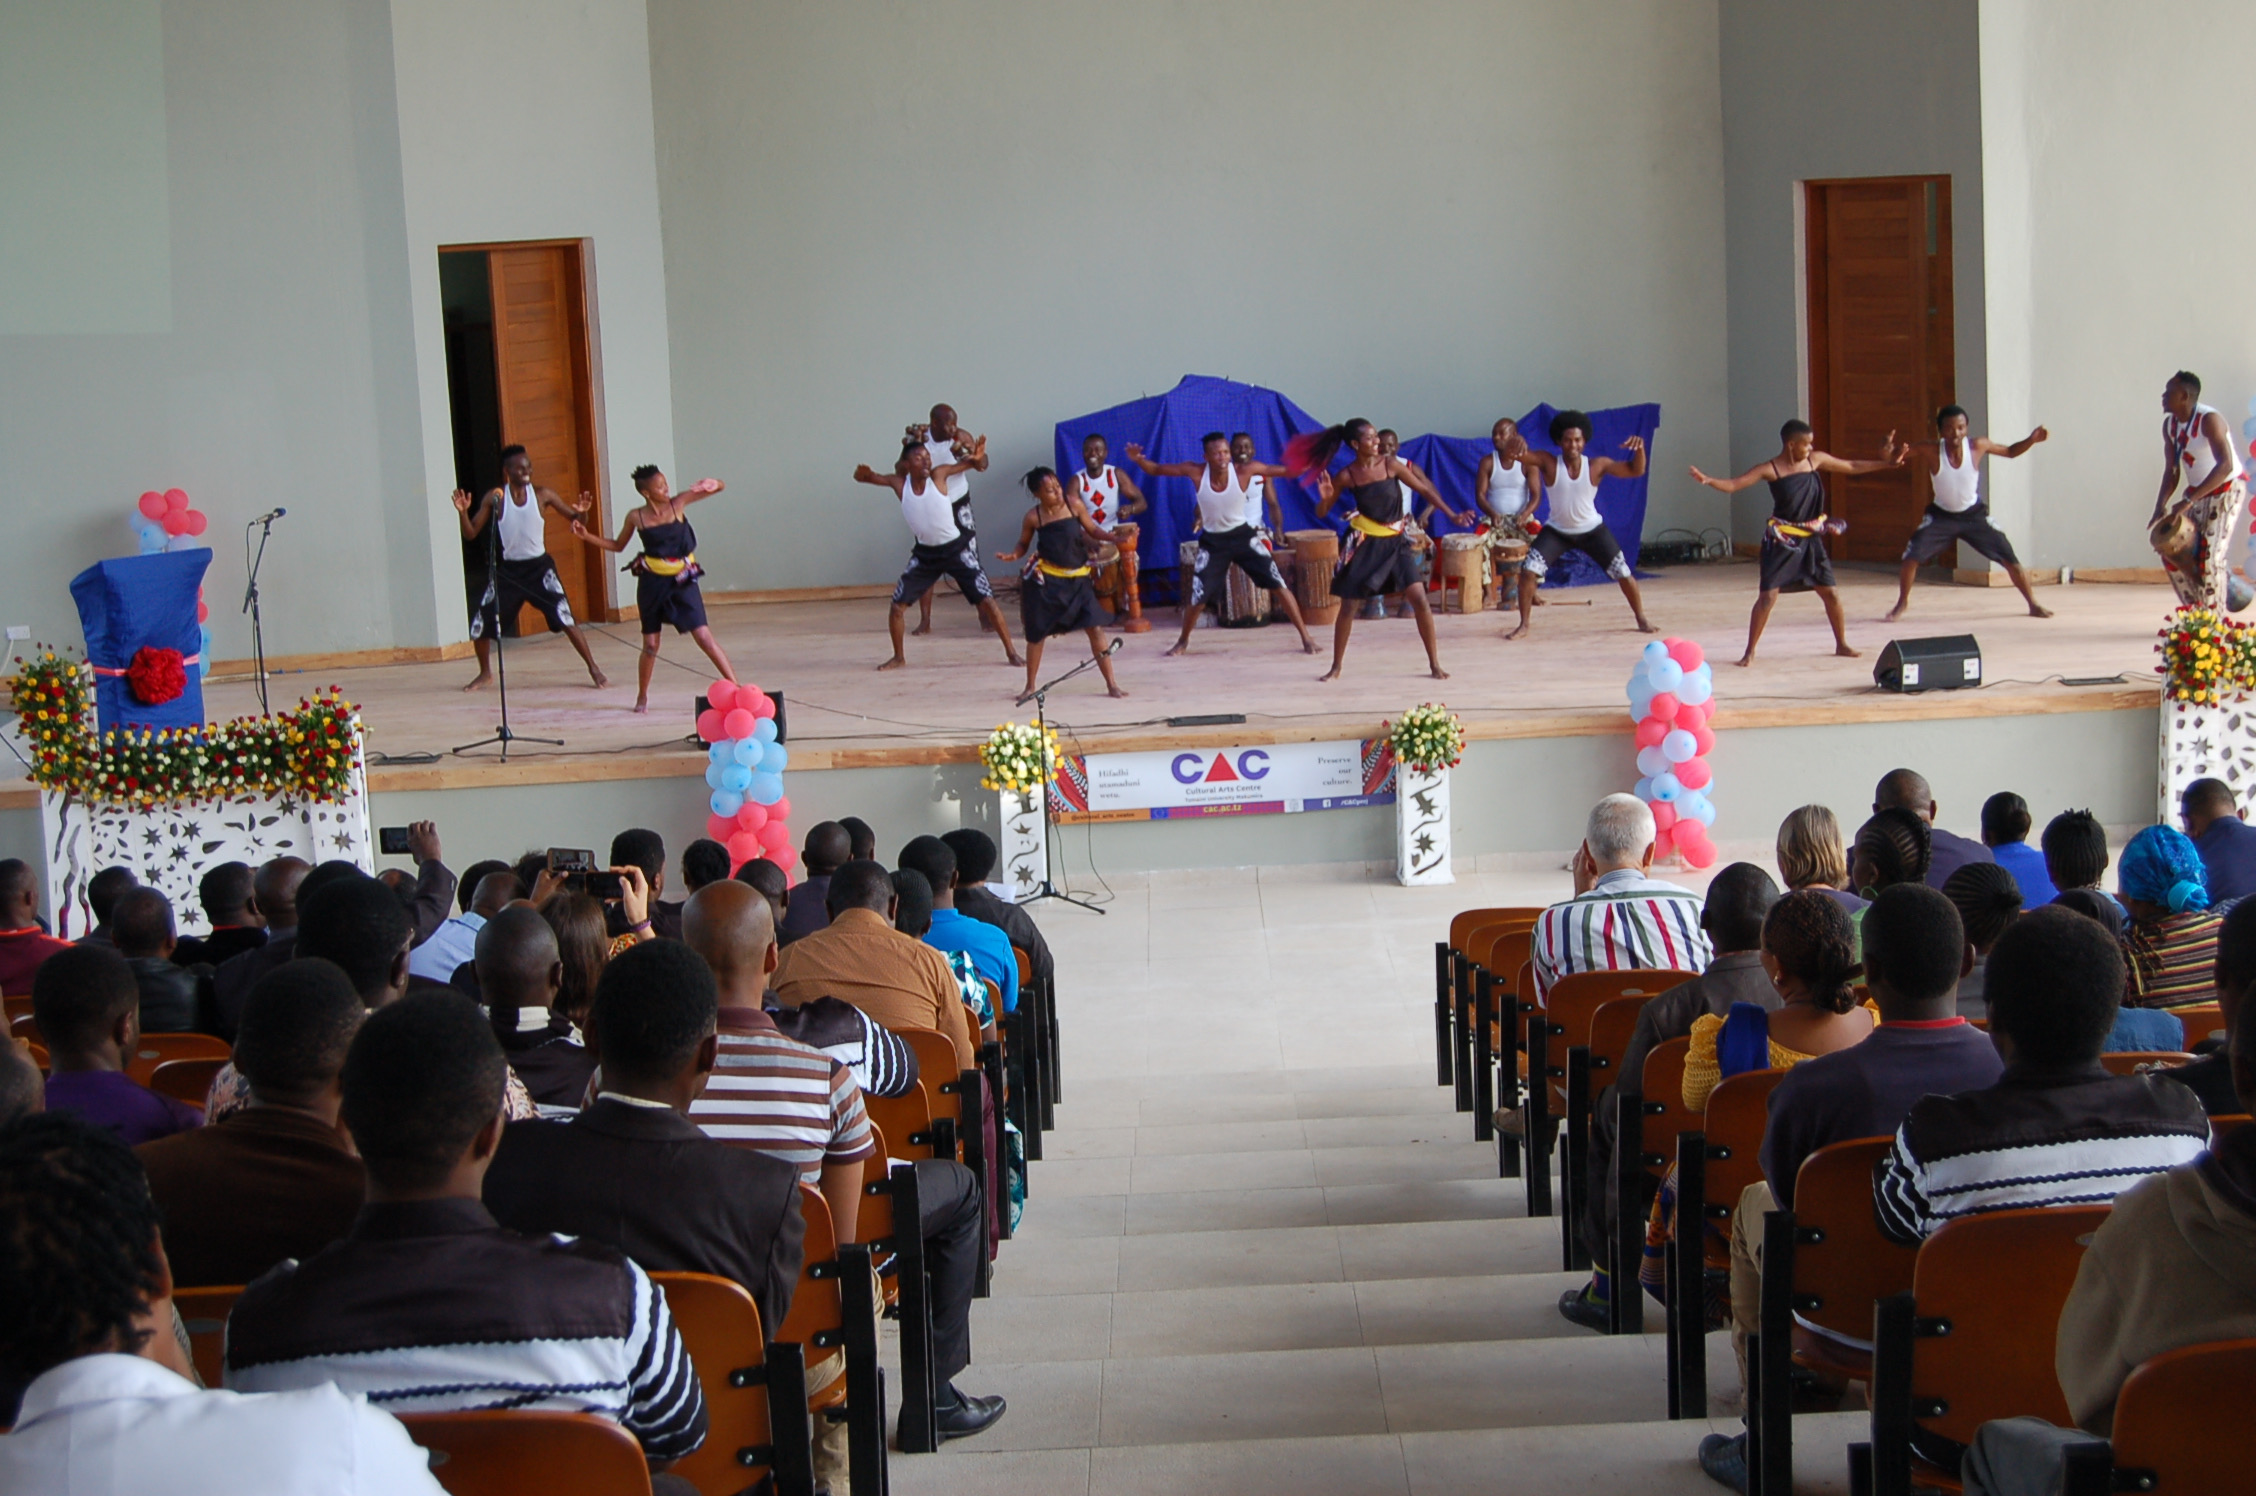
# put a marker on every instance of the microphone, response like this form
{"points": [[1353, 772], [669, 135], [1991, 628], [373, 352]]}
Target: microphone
{"points": [[270, 516]]}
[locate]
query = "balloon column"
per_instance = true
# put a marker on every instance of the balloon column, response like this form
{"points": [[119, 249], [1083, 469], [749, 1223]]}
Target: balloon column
{"points": [[169, 522], [1672, 701], [750, 815]]}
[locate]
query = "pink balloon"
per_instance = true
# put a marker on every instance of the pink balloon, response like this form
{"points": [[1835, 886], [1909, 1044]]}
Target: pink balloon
{"points": [[1694, 774], [174, 522], [742, 848], [752, 817], [781, 810], [1663, 842], [152, 505], [737, 723], [176, 499], [710, 727], [197, 520], [765, 706], [775, 836], [1686, 653], [203, 611], [1707, 710], [1651, 731], [720, 828], [1664, 814], [1664, 709], [721, 695], [783, 857], [1703, 739], [1703, 856]]}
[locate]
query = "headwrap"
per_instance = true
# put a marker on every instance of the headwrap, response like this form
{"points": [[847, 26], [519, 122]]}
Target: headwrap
{"points": [[2161, 866]]}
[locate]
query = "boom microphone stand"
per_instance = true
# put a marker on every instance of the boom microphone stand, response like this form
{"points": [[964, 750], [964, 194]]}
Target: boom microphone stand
{"points": [[265, 522], [494, 583], [1049, 889]]}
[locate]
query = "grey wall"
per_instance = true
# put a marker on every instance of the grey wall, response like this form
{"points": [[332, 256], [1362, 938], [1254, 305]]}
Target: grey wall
{"points": [[1429, 215]]}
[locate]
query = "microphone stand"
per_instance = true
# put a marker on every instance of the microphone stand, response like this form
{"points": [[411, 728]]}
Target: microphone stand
{"points": [[495, 580], [1049, 888], [251, 604]]}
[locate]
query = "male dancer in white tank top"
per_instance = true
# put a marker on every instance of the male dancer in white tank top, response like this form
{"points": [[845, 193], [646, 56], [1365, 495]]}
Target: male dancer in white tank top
{"points": [[1573, 477], [526, 573], [1225, 539], [2197, 450], [1957, 512], [1509, 485], [947, 444], [939, 547], [1110, 496], [1263, 512]]}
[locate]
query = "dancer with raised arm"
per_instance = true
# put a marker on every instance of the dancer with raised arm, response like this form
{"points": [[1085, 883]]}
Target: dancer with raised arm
{"points": [[1263, 511], [2195, 534], [527, 574], [1957, 512], [1794, 557], [945, 440], [1575, 523], [1225, 538], [1111, 496], [666, 572], [941, 547], [1055, 595], [1378, 559]]}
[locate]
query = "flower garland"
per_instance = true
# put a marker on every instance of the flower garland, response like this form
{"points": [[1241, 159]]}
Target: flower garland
{"points": [[2206, 657], [1428, 738], [1019, 757], [310, 752]]}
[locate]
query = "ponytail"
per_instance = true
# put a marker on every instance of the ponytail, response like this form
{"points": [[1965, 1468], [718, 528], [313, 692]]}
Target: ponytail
{"points": [[1312, 451]]}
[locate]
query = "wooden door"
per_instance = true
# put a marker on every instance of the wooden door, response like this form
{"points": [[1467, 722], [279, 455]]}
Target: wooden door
{"points": [[544, 367], [1881, 357]]}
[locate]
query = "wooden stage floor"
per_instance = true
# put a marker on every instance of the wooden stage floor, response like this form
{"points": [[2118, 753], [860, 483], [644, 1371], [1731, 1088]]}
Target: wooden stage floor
{"points": [[1565, 680]]}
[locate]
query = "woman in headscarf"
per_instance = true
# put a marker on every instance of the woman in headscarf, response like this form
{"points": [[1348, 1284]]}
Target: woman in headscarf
{"points": [[2173, 939]]}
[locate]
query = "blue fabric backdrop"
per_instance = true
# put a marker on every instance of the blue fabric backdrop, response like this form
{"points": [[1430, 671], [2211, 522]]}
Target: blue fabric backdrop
{"points": [[137, 602]]}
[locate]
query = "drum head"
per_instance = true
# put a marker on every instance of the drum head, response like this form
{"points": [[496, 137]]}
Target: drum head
{"points": [[1105, 554]]}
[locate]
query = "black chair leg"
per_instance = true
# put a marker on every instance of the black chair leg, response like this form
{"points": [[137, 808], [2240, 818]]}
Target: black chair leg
{"points": [[1574, 1167], [1770, 1374], [1687, 1280], [1894, 1322], [865, 1378], [1441, 1013], [785, 1375], [917, 1432], [1535, 1110], [1625, 1245]]}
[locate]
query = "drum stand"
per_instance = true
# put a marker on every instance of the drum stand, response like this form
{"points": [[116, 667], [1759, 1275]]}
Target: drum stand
{"points": [[1049, 889]]}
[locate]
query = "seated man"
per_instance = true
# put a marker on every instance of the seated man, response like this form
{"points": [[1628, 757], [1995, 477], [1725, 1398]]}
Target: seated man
{"points": [[644, 849], [2226, 841], [975, 864], [142, 930], [1739, 899], [773, 883], [229, 896], [431, 898], [912, 916], [277, 1179], [275, 886], [632, 1171], [23, 1090], [519, 973], [23, 943], [1619, 918], [703, 861], [859, 956], [2056, 1128], [861, 840], [429, 1306], [456, 942], [2005, 831], [2174, 1264], [111, 1406], [89, 1012], [828, 848], [1907, 790], [988, 947], [103, 890], [2209, 1076]]}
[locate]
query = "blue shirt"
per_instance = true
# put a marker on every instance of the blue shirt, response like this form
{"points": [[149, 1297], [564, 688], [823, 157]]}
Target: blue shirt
{"points": [[2148, 1029], [2228, 851], [988, 947], [2027, 866]]}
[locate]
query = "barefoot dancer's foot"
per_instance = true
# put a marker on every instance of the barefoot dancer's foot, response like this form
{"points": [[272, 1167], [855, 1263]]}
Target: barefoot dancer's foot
{"points": [[1115, 693], [641, 706], [2036, 611], [1307, 645], [1518, 633], [1439, 673], [1745, 660], [893, 664], [1893, 614], [1178, 647], [598, 680], [921, 629], [1331, 674], [1023, 699], [484, 680], [1843, 651], [1644, 626]]}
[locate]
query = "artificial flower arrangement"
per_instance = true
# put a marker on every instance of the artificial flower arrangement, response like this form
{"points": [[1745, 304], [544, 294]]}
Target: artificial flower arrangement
{"points": [[310, 752], [1019, 757], [1428, 738], [2206, 657]]}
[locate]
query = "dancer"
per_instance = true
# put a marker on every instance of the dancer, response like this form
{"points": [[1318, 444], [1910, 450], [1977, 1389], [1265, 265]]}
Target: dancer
{"points": [[2197, 450], [1378, 559], [1957, 512], [1794, 557], [1263, 511], [1508, 486], [666, 572], [1110, 496], [1225, 539], [1575, 524], [527, 574], [941, 546], [1054, 595], [946, 443]]}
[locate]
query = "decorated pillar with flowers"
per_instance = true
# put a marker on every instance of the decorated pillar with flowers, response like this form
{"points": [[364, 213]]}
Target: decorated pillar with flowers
{"points": [[2208, 724], [1019, 758], [1427, 743]]}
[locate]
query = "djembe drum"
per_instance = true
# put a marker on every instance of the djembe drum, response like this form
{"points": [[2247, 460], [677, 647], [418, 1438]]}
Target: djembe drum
{"points": [[1464, 566], [1108, 578], [1316, 557], [1506, 556]]}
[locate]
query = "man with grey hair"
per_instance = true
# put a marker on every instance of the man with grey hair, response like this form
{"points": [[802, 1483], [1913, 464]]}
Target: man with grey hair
{"points": [[1620, 919]]}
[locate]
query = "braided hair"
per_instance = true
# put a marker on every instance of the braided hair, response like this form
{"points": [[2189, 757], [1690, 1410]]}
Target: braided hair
{"points": [[1808, 933], [1988, 900], [78, 1244], [1895, 846]]}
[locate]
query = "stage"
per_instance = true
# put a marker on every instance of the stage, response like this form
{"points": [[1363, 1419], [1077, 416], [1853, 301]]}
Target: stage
{"points": [[1546, 716]]}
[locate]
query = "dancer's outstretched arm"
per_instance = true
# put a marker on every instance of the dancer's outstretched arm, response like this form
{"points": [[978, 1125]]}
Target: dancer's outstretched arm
{"points": [[1153, 469], [1408, 473], [1614, 467], [1990, 448], [1025, 535], [703, 488], [627, 527]]}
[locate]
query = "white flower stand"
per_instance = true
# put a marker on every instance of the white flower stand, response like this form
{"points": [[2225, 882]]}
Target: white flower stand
{"points": [[2206, 742], [1024, 842], [1421, 826]]}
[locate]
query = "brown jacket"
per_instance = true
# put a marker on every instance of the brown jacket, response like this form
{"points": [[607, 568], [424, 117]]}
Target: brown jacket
{"points": [[260, 1185], [900, 982]]}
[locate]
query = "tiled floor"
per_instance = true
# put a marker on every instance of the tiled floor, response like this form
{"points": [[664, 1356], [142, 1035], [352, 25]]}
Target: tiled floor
{"points": [[1262, 1253]]}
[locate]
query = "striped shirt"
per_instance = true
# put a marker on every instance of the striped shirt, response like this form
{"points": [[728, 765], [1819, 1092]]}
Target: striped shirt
{"points": [[782, 1098], [2174, 962], [1627, 922], [2033, 1139], [430, 1307]]}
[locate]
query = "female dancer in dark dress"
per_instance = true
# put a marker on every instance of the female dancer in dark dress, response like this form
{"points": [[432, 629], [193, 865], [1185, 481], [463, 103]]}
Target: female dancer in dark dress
{"points": [[1794, 558], [1055, 595], [1378, 558], [666, 572]]}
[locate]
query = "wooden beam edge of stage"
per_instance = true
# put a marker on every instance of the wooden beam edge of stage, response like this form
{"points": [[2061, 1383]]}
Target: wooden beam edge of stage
{"points": [[350, 659]]}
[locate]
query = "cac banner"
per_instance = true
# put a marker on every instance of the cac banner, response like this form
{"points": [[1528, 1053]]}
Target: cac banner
{"points": [[1271, 779]]}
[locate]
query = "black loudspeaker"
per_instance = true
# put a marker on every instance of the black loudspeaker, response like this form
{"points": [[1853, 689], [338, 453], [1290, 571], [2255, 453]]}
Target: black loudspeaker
{"points": [[1942, 664], [783, 730]]}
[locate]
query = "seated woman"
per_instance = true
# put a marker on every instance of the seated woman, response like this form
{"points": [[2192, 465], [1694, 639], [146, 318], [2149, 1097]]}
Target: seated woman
{"points": [[2173, 936], [1810, 855], [1988, 899], [1893, 847]]}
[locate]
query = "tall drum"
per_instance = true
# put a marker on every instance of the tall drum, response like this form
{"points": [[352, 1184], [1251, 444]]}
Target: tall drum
{"points": [[1316, 558]]}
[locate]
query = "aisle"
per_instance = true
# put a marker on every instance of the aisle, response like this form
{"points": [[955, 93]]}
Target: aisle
{"points": [[1262, 1254]]}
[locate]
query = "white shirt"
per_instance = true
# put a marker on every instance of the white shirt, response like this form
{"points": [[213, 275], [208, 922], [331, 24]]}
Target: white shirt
{"points": [[1958, 488], [931, 518], [524, 533], [1099, 495], [2194, 455], [1220, 509], [1257, 491], [1507, 490], [115, 1425], [450, 945], [1574, 500], [943, 453]]}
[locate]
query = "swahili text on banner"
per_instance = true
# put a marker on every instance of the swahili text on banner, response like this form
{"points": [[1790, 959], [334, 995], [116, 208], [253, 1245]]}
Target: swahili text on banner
{"points": [[1275, 778]]}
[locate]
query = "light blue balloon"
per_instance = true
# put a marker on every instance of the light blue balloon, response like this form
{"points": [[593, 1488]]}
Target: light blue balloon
{"points": [[1641, 701], [1654, 653], [745, 751], [1696, 805], [1651, 762], [736, 777], [713, 774], [1665, 676], [763, 731], [718, 753], [1666, 789], [203, 650], [183, 542], [776, 759], [726, 802], [1679, 745], [766, 789], [1697, 688], [1644, 790]]}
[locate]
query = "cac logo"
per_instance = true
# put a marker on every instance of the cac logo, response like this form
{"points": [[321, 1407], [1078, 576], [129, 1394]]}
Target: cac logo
{"points": [[1199, 768]]}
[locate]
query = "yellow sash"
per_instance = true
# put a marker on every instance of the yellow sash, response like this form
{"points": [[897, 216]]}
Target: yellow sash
{"points": [[1048, 570], [1795, 532], [1372, 526], [668, 566]]}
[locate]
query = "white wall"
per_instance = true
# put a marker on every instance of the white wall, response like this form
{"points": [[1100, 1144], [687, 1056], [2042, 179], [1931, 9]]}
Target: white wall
{"points": [[1431, 215]]}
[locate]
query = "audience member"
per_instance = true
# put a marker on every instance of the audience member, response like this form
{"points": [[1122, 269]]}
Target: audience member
{"points": [[632, 1172], [861, 841], [103, 890], [646, 850], [228, 894], [2210, 1075], [141, 929], [466, 891], [2136, 1029], [988, 947], [111, 1407], [23, 943], [2005, 831], [1620, 918], [276, 887], [1904, 789], [2056, 1128], [455, 942], [859, 956], [1895, 846], [1809, 954], [23, 1090], [2173, 937], [827, 849], [703, 861], [89, 1013], [2075, 854], [774, 884], [1810, 855], [433, 894], [429, 1304], [583, 944], [912, 916], [975, 864], [520, 973], [2227, 843], [278, 1178], [1987, 897]]}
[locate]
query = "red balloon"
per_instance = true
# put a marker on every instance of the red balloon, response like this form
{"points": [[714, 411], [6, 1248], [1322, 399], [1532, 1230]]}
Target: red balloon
{"points": [[197, 519], [752, 817], [152, 505], [1703, 856], [1651, 731], [1664, 708], [1663, 843], [783, 857], [1686, 653], [203, 611], [710, 727], [174, 522], [738, 723], [742, 848], [720, 828], [1664, 814], [176, 499], [721, 695], [1694, 774], [775, 836], [1703, 739], [765, 706], [781, 810]]}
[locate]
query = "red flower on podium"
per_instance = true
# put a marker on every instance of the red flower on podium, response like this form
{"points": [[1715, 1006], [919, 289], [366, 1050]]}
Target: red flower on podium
{"points": [[156, 676]]}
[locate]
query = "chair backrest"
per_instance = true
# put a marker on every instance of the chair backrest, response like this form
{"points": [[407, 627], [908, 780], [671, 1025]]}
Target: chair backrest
{"points": [[2171, 1416], [155, 1049], [720, 1328], [816, 1310], [936, 1065], [1503, 952], [2129, 1061], [1664, 1087], [2204, 1022], [510, 1453], [1025, 967], [204, 1311], [24, 1026], [186, 1080], [16, 1005], [1842, 1264], [906, 1118], [1462, 924], [1611, 1029], [2000, 1280], [2220, 1126], [1576, 998], [1738, 1109]]}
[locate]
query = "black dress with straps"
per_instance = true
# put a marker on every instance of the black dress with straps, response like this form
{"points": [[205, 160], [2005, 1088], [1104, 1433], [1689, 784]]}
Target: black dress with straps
{"points": [[1376, 565], [1049, 605], [671, 599], [1790, 562]]}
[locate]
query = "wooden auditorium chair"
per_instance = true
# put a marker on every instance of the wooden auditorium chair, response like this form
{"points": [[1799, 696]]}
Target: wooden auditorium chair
{"points": [[1451, 982], [2172, 1426], [825, 1317], [155, 1049], [1566, 1022], [517, 1453], [186, 1080], [2131, 1061], [1714, 1165], [1647, 1117], [2201, 1023], [204, 1311], [720, 1328]]}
